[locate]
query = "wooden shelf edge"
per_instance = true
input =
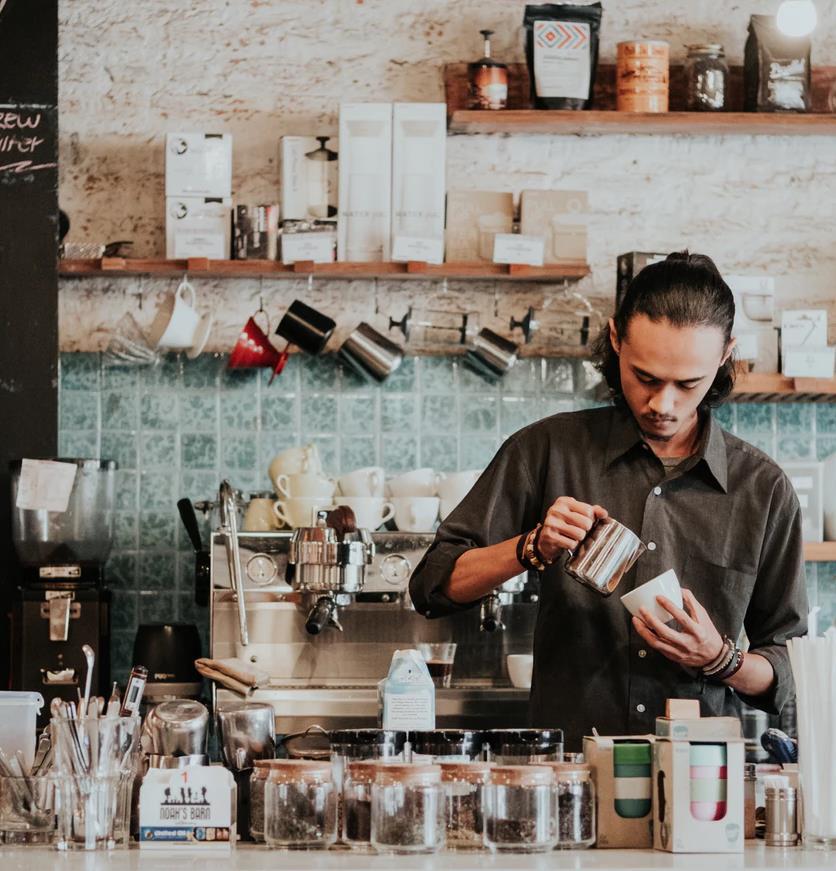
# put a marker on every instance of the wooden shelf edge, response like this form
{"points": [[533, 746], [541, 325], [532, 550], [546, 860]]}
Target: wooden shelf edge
{"points": [[119, 267], [774, 387], [598, 122], [820, 551]]}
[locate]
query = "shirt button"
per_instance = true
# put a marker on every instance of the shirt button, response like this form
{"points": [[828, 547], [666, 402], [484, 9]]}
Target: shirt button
{"points": [[642, 653], [651, 545], [657, 491], [641, 708]]}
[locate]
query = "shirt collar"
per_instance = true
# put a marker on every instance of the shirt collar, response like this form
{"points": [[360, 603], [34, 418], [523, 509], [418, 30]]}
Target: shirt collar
{"points": [[624, 435]]}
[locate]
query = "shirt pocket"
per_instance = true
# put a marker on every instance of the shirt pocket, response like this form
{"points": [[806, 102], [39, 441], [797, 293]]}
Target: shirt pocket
{"points": [[723, 590]]}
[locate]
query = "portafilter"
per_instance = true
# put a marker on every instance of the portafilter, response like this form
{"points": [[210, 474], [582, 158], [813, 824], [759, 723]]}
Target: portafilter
{"points": [[246, 732]]}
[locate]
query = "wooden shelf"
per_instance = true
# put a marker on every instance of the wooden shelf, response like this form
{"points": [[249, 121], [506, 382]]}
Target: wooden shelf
{"points": [[116, 267], [760, 387], [521, 117], [820, 551]]}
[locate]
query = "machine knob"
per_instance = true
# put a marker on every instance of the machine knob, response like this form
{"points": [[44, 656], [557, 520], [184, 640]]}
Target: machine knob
{"points": [[395, 569], [261, 569]]}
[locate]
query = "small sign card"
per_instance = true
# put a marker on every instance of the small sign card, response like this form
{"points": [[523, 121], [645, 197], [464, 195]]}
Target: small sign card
{"points": [[518, 249], [420, 248], [45, 485], [316, 247], [187, 807]]}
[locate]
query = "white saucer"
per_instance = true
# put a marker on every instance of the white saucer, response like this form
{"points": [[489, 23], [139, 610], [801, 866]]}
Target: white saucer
{"points": [[201, 336]]}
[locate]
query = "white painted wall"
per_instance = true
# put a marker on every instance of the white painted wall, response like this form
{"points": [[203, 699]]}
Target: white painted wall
{"points": [[259, 69]]}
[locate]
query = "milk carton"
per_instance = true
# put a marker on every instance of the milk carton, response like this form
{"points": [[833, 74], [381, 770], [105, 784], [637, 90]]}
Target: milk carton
{"points": [[407, 694]]}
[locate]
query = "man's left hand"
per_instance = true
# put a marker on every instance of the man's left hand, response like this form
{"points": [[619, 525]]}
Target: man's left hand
{"points": [[698, 642]]}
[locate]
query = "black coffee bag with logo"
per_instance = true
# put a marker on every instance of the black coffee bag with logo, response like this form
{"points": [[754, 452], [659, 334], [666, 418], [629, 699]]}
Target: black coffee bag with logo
{"points": [[776, 69]]}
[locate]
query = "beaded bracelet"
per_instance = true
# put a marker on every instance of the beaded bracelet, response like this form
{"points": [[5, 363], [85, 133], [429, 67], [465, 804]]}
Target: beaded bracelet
{"points": [[529, 552], [721, 656], [725, 661], [734, 668]]}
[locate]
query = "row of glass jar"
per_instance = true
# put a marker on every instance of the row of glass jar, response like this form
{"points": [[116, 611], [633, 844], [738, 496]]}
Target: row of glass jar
{"points": [[423, 807]]}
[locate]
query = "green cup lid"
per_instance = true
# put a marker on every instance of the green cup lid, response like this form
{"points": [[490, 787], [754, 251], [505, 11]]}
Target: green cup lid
{"points": [[632, 753], [708, 754]]}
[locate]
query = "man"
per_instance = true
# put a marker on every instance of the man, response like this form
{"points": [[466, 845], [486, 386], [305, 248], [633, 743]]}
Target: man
{"points": [[706, 504]]}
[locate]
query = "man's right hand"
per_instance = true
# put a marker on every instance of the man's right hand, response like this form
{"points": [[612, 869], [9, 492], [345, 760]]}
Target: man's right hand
{"points": [[565, 525]]}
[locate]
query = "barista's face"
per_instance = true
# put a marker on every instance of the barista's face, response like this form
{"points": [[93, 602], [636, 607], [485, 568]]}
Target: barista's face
{"points": [[666, 372]]}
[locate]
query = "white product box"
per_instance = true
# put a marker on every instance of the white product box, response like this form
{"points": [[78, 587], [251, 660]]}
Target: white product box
{"points": [[308, 178], [754, 303], [807, 478], [805, 328], [365, 173], [418, 248], [316, 247], [675, 828], [198, 227], [518, 249], [805, 362], [419, 154], [198, 165]]}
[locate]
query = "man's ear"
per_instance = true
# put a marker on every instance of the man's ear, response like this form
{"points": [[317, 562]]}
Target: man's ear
{"points": [[729, 348], [614, 340]]}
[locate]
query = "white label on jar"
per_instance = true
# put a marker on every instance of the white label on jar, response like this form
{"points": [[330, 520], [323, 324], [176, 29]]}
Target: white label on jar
{"points": [[561, 59], [45, 485]]}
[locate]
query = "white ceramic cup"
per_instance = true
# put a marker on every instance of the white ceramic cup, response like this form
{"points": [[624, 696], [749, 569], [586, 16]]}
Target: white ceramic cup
{"points": [[175, 324], [666, 584], [260, 516], [362, 482], [520, 669], [418, 482], [370, 512], [294, 461], [305, 485], [297, 512], [453, 487], [416, 513]]}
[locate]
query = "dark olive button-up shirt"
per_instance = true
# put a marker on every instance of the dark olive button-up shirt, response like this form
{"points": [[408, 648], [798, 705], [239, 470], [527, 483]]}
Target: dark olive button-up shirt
{"points": [[728, 522]]}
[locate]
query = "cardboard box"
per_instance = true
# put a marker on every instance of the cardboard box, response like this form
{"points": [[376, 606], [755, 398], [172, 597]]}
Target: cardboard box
{"points": [[198, 227], [308, 173], [473, 220], [365, 171], [628, 266], [318, 247], [419, 155], [617, 829], [698, 729], [560, 217], [807, 478], [198, 165], [804, 362], [676, 828]]}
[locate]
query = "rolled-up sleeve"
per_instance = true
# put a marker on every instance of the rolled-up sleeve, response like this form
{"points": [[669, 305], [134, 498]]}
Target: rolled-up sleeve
{"points": [[778, 608], [503, 502]]}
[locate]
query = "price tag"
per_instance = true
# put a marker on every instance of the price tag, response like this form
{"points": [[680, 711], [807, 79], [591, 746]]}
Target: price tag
{"points": [[45, 485], [420, 248], [518, 249]]}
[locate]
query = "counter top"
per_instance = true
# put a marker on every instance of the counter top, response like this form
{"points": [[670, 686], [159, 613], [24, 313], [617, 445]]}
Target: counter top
{"points": [[259, 858]]}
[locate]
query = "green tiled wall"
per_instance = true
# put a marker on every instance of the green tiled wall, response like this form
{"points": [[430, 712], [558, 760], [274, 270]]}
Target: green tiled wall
{"points": [[176, 429]]}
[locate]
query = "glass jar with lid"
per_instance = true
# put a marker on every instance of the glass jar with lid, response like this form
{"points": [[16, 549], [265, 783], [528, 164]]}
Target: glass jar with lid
{"points": [[258, 779], [706, 78], [446, 745], [358, 778], [524, 746], [519, 809], [575, 805], [463, 782], [300, 809], [348, 745], [407, 808]]}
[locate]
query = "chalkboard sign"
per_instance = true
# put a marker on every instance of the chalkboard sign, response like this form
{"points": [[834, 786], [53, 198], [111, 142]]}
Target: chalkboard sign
{"points": [[28, 143]]}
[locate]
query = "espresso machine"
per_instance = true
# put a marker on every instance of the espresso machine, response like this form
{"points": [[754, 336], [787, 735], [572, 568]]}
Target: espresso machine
{"points": [[61, 602], [322, 613]]}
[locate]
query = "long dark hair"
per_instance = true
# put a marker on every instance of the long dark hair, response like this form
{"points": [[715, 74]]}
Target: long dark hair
{"points": [[686, 290]]}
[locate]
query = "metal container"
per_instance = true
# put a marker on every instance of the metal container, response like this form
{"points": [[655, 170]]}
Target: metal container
{"points": [[642, 76], [607, 553], [781, 817], [491, 355], [315, 552], [370, 353], [177, 728], [156, 760], [305, 327], [246, 732]]}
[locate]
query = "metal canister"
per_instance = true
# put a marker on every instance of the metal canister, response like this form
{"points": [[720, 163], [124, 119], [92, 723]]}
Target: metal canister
{"points": [[642, 76], [781, 817], [750, 780]]}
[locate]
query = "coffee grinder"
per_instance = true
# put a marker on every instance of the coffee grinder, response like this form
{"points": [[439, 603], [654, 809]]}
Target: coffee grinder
{"points": [[61, 602]]}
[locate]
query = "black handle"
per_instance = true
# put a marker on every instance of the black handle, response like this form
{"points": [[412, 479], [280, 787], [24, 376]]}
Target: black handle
{"points": [[201, 578], [318, 617], [189, 518]]}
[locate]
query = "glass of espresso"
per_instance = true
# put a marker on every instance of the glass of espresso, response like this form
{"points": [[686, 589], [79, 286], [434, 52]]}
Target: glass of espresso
{"points": [[439, 658]]}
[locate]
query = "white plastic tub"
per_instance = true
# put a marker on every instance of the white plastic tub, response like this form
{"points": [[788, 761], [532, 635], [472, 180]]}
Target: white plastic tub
{"points": [[18, 730]]}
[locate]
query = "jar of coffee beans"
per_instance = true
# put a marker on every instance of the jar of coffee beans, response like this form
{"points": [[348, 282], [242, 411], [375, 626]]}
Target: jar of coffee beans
{"points": [[519, 809], [463, 782], [358, 778], [407, 808], [575, 805], [300, 808], [706, 78], [258, 779]]}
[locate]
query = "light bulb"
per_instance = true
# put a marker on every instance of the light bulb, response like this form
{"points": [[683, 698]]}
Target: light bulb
{"points": [[796, 17]]}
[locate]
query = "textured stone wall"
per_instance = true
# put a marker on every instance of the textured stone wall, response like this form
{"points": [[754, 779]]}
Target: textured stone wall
{"points": [[263, 68]]}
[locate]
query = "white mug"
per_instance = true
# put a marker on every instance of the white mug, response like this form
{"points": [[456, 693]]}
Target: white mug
{"points": [[418, 482], [300, 512], [362, 482], [453, 487], [370, 512], [294, 461], [416, 513], [305, 485], [176, 321], [259, 516]]}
